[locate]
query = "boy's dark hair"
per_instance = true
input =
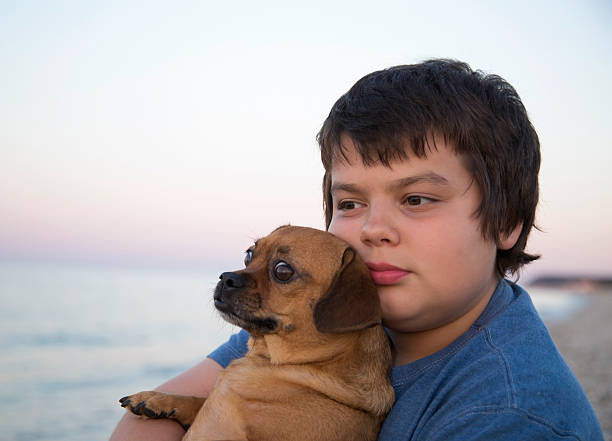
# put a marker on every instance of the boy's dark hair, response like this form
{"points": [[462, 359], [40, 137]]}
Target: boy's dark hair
{"points": [[392, 113]]}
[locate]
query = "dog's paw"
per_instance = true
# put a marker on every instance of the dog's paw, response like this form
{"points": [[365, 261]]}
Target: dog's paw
{"points": [[158, 405], [148, 405]]}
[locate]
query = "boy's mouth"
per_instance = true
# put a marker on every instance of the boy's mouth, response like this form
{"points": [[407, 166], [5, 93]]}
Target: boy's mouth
{"points": [[386, 274]]}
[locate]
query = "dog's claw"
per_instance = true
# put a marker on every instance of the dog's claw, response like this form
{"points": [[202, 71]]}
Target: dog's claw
{"points": [[148, 412], [138, 408]]}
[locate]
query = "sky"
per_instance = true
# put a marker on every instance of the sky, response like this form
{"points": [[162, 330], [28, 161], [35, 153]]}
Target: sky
{"points": [[173, 134]]}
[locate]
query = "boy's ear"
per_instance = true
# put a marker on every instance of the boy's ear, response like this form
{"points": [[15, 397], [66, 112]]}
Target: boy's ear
{"points": [[508, 240]]}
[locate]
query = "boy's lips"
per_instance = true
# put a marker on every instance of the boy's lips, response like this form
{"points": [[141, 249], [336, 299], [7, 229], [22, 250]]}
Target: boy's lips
{"points": [[385, 274]]}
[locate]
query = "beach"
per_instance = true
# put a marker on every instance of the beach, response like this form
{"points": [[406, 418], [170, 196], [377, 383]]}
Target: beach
{"points": [[585, 340]]}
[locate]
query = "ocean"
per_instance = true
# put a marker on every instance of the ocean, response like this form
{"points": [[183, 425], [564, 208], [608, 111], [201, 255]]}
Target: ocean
{"points": [[73, 340]]}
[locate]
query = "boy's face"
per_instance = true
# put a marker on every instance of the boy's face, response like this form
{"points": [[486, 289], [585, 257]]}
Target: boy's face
{"points": [[414, 226]]}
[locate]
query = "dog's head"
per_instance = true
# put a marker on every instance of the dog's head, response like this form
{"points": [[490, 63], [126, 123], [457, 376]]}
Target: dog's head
{"points": [[299, 280]]}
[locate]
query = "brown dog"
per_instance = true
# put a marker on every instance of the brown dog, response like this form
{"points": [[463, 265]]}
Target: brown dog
{"points": [[318, 361]]}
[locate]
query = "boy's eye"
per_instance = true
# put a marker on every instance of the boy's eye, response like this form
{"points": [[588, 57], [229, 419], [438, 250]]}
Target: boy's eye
{"points": [[417, 200], [248, 257], [348, 205]]}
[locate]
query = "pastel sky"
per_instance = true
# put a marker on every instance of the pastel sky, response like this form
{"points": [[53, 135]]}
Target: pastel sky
{"points": [[174, 133]]}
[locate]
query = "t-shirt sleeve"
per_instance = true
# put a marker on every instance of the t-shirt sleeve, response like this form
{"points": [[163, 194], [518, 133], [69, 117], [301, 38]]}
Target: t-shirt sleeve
{"points": [[234, 348]]}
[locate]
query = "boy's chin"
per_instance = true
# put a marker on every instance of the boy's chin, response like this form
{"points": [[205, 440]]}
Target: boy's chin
{"points": [[402, 318]]}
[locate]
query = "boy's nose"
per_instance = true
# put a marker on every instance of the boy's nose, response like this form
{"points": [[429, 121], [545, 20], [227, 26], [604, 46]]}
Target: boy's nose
{"points": [[379, 230]]}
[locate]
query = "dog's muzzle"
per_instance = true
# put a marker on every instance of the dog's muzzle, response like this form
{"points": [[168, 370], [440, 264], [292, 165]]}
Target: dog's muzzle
{"points": [[226, 290], [239, 305]]}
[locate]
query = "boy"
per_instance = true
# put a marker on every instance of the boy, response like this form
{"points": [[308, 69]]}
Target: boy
{"points": [[431, 174]]}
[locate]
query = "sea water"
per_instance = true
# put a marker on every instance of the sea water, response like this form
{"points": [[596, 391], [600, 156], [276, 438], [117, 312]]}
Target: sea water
{"points": [[73, 340], [556, 305]]}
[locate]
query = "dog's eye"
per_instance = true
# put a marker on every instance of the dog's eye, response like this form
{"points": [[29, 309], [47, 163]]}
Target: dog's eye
{"points": [[282, 271], [248, 257]]}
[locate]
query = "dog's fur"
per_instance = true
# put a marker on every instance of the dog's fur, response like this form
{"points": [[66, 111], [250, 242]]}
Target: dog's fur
{"points": [[318, 361]]}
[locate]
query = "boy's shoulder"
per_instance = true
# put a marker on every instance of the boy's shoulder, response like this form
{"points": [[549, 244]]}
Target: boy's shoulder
{"points": [[502, 379]]}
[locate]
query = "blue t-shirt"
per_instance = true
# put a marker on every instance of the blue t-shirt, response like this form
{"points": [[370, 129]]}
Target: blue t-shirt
{"points": [[503, 379]]}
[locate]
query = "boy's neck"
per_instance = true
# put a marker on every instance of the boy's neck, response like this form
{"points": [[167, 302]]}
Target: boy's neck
{"points": [[408, 347]]}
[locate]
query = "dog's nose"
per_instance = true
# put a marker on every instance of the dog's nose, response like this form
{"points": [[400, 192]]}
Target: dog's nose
{"points": [[232, 280]]}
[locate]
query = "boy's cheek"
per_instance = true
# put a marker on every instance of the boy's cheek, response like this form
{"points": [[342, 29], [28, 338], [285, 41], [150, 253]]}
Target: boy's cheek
{"points": [[339, 227]]}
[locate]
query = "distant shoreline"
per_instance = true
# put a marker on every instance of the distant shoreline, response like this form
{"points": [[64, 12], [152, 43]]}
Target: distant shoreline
{"points": [[582, 284]]}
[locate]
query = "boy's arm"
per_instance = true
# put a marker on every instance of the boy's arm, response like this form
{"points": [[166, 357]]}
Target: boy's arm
{"points": [[197, 381]]}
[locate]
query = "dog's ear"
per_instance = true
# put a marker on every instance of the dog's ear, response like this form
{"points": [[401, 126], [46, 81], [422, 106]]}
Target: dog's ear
{"points": [[351, 303]]}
